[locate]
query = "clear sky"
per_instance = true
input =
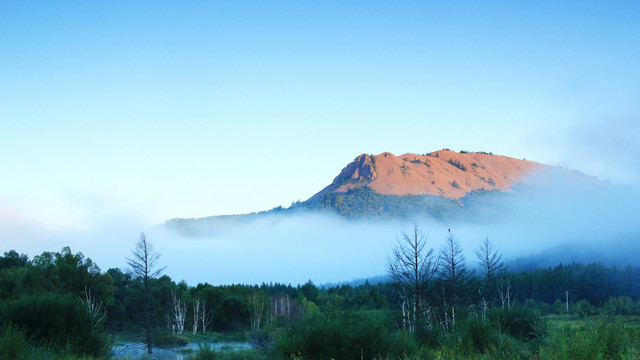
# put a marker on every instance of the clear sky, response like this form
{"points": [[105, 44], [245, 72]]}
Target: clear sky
{"points": [[160, 109]]}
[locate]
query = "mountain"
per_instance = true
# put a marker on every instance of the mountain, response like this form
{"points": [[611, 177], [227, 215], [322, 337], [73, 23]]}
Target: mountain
{"points": [[441, 173], [443, 184]]}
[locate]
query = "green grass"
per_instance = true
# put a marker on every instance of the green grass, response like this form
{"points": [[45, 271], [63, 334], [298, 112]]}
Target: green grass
{"points": [[595, 337], [555, 321], [206, 352]]}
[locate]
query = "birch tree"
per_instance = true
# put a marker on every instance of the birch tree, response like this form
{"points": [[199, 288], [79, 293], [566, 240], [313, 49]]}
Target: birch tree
{"points": [[204, 319], [196, 315], [95, 310], [257, 310], [178, 314]]}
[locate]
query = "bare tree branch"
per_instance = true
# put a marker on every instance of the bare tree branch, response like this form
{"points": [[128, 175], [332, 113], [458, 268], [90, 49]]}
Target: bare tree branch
{"points": [[143, 266], [413, 268], [454, 277], [491, 266]]}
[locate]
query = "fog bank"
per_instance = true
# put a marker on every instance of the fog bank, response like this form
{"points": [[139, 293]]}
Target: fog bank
{"points": [[329, 249]]}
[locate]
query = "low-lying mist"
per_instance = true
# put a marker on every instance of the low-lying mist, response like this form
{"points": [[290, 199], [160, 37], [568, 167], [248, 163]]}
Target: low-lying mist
{"points": [[592, 223]]}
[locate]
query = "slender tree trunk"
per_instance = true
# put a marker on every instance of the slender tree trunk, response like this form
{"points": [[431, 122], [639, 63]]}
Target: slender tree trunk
{"points": [[204, 316], [147, 314], [143, 267], [196, 315]]}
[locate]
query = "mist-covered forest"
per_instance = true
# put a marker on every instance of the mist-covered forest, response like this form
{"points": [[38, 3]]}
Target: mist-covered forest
{"points": [[435, 304]]}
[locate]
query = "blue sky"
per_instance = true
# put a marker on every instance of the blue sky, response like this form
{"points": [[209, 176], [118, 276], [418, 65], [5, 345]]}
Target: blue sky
{"points": [[154, 110]]}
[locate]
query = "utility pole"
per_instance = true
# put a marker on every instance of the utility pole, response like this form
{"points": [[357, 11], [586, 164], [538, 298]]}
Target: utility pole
{"points": [[567, 293]]}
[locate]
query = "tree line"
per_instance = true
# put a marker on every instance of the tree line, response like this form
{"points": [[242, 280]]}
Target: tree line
{"points": [[65, 302]]}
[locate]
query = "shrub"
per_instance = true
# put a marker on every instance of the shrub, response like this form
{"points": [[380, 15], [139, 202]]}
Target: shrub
{"points": [[166, 339], [457, 164], [583, 308], [520, 322], [622, 305], [476, 334], [261, 340], [343, 335], [57, 321], [13, 343]]}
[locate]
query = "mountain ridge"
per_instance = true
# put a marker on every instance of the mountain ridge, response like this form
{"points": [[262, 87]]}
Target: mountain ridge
{"points": [[445, 185], [443, 173]]}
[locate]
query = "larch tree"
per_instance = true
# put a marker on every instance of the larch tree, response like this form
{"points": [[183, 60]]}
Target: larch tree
{"points": [[413, 267], [454, 278], [491, 267], [143, 265]]}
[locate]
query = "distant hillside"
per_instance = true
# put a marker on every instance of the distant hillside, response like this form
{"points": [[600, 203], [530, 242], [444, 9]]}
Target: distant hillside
{"points": [[444, 184]]}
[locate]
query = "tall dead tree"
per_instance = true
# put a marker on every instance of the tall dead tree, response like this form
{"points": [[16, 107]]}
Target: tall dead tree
{"points": [[454, 278], [144, 266], [491, 267], [413, 267]]}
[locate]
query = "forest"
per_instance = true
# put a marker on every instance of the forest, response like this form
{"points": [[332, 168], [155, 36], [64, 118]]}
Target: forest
{"points": [[435, 305], [363, 203]]}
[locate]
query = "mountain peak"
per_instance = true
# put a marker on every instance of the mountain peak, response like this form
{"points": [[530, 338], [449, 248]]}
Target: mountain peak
{"points": [[443, 173]]}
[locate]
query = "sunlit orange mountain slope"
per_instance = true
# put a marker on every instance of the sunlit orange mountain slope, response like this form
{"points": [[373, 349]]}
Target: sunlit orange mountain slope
{"points": [[441, 173]]}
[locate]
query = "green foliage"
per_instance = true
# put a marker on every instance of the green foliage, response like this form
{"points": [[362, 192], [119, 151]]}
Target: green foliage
{"points": [[63, 272], [343, 335], [310, 291], [476, 335], [457, 164], [602, 339], [622, 305], [583, 308], [519, 322], [364, 202], [58, 321], [12, 259], [593, 282], [206, 352], [14, 344], [166, 339], [230, 308], [41, 316]]}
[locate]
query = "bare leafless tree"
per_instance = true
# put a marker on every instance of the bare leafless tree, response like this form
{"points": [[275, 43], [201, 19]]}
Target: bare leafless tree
{"points": [[413, 267], [454, 278], [144, 266], [205, 318], [178, 314], [491, 266], [95, 310]]}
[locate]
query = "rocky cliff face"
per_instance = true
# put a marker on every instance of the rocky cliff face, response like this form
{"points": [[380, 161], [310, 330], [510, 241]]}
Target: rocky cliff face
{"points": [[361, 170], [441, 173]]}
